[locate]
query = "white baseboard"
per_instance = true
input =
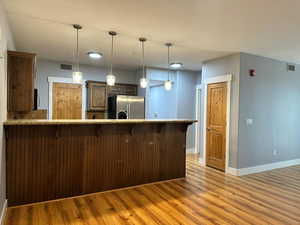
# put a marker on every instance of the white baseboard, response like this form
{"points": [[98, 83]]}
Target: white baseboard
{"points": [[3, 211], [232, 171], [262, 168], [190, 150], [201, 161]]}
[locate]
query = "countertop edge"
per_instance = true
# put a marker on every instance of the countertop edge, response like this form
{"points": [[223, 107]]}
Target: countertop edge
{"points": [[91, 122]]}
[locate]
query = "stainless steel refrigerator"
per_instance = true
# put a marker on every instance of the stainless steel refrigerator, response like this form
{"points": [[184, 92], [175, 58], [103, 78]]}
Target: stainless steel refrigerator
{"points": [[126, 107]]}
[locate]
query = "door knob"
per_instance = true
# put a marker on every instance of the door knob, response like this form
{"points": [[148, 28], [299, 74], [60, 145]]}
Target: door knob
{"points": [[208, 129]]}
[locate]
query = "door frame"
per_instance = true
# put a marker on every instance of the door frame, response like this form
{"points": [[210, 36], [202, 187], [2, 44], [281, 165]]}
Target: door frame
{"points": [[218, 79], [198, 107], [65, 80]]}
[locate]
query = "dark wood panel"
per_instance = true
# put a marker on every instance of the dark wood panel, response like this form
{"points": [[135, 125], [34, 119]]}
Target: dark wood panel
{"points": [[50, 162], [96, 115], [207, 196], [21, 75], [36, 114], [122, 89]]}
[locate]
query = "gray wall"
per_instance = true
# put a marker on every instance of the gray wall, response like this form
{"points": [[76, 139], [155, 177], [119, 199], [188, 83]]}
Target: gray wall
{"points": [[271, 99], [179, 103], [46, 68], [218, 67], [159, 100], [6, 42], [186, 99], [162, 103]]}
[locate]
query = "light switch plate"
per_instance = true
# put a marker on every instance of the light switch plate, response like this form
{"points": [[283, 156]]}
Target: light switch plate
{"points": [[249, 122]]}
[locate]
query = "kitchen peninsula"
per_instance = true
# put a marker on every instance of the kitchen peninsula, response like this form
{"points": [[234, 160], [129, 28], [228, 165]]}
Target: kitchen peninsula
{"points": [[51, 159]]}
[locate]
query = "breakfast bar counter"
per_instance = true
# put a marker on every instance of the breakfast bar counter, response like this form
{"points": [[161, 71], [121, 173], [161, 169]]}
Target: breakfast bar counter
{"points": [[95, 121], [51, 159]]}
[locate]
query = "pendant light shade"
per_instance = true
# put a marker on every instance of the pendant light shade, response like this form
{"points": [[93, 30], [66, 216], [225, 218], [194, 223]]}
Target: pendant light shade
{"points": [[143, 80], [168, 83], [111, 78], [77, 75]]}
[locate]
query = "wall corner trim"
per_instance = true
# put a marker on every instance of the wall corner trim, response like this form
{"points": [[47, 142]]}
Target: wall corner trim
{"points": [[263, 168], [3, 212]]}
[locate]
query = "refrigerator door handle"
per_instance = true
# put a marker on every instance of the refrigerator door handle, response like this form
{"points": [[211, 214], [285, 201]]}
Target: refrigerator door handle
{"points": [[128, 111]]}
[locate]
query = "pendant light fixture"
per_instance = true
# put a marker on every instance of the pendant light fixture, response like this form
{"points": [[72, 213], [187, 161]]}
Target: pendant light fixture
{"points": [[110, 78], [143, 80], [168, 83], [77, 75]]}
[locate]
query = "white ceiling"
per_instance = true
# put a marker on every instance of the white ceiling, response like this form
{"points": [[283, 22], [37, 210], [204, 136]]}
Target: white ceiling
{"points": [[200, 29]]}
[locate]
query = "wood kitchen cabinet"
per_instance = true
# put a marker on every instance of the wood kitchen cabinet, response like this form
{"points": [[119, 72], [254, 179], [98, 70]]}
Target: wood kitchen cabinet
{"points": [[122, 89], [97, 96], [21, 76], [96, 115], [98, 92]]}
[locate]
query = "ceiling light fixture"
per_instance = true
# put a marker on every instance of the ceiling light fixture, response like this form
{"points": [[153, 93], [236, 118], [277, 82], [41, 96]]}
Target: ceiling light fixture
{"points": [[176, 65], [77, 75], [94, 55], [168, 83], [110, 78], [143, 80]]}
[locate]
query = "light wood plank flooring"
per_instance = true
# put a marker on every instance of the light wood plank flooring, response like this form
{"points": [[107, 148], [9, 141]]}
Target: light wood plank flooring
{"points": [[205, 197]]}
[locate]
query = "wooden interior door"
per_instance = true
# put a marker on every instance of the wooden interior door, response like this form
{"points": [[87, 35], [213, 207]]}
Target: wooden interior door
{"points": [[216, 125], [66, 101]]}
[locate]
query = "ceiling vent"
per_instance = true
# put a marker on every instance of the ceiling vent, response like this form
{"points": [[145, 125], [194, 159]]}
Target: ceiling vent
{"points": [[66, 67], [291, 67]]}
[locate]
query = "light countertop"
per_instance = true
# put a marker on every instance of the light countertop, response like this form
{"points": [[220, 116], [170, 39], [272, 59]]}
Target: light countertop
{"points": [[91, 121]]}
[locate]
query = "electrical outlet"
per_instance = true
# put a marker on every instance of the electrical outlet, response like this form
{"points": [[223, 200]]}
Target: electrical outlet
{"points": [[275, 152]]}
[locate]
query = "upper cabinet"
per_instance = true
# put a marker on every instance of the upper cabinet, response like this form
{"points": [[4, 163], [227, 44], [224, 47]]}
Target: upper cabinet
{"points": [[96, 96], [122, 89], [21, 75], [98, 92]]}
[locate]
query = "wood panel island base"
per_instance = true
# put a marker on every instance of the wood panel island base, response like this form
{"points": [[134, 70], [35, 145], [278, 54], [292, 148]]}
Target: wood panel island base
{"points": [[54, 159]]}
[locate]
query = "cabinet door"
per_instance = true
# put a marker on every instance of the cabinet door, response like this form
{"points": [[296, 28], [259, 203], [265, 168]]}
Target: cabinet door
{"points": [[21, 73], [130, 90], [122, 89], [97, 96], [114, 90]]}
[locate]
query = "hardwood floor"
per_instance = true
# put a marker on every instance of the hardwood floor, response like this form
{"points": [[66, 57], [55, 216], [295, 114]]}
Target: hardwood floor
{"points": [[206, 196]]}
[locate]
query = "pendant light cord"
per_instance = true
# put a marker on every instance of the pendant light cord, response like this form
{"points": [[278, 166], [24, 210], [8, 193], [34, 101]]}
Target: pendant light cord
{"points": [[168, 62], [112, 54], [77, 49], [144, 75]]}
